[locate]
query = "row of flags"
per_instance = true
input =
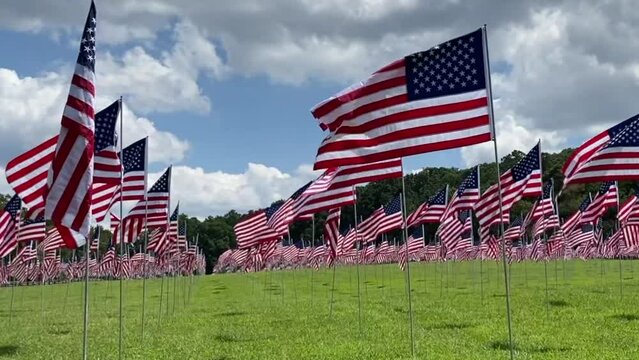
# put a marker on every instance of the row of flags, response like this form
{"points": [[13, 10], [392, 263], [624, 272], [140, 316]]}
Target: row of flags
{"points": [[79, 175], [27, 268]]}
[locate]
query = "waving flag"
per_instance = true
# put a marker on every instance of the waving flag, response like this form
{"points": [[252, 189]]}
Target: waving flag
{"points": [[606, 198], [629, 208], [451, 229], [367, 229], [617, 160], [392, 218], [514, 230], [32, 230], [575, 219], [412, 246], [428, 101], [430, 211], [466, 196], [107, 167], [154, 209], [9, 219], [544, 206], [523, 180], [69, 181]]}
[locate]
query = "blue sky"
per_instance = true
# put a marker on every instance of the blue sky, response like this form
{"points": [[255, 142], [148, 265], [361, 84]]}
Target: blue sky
{"points": [[224, 89]]}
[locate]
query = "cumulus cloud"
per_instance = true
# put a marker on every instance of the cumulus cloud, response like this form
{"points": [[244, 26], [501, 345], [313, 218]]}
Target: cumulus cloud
{"points": [[202, 193]]}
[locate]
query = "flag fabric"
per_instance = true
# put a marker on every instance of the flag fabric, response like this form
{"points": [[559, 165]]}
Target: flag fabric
{"points": [[430, 211], [392, 217], [584, 153], [27, 175], [428, 101], [331, 233], [575, 219], [605, 198], [173, 223], [282, 216], [630, 232], [545, 223], [32, 230], [114, 222], [616, 159], [584, 234], [9, 221], [153, 209], [250, 230], [134, 173], [523, 180], [107, 166], [413, 245], [367, 229], [466, 196], [629, 208], [544, 206], [52, 241], [451, 229], [514, 230], [70, 177]]}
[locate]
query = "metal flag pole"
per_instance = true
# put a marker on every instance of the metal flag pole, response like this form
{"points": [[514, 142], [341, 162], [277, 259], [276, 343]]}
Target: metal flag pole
{"points": [[499, 190], [121, 238], [405, 233], [546, 275], [146, 233], [168, 226], [620, 261], [85, 340], [13, 288], [359, 292]]}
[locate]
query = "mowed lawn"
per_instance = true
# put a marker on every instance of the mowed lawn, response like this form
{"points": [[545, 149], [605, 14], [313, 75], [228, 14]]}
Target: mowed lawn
{"points": [[285, 315]]}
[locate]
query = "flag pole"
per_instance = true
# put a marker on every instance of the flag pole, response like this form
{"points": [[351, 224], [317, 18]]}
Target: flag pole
{"points": [[312, 245], [121, 237], [358, 244], [405, 233], [13, 287], [85, 340], [146, 233], [501, 208]]}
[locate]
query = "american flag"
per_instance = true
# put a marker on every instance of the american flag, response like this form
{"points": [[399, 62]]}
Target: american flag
{"points": [[392, 217], [545, 223], [523, 180], [107, 166], [466, 196], [413, 245], [70, 178], [605, 198], [134, 176], [629, 208], [247, 229], [452, 228], [584, 234], [285, 213], [9, 221], [367, 229], [32, 230], [331, 233], [27, 175], [52, 241], [544, 206], [631, 233], [606, 156], [428, 101], [114, 222], [514, 230], [430, 211], [158, 241], [575, 219], [154, 209], [173, 223]]}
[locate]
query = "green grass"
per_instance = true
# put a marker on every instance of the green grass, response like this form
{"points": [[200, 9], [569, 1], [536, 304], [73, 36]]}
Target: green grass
{"points": [[283, 315]]}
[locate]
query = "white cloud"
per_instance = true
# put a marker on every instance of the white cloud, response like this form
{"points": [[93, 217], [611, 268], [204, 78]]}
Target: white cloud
{"points": [[203, 193]]}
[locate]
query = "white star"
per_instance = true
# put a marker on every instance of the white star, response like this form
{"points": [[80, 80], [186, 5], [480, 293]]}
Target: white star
{"points": [[93, 20]]}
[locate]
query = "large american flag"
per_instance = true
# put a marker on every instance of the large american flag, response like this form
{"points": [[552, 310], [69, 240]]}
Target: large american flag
{"points": [[32, 229], [617, 160], [605, 198], [70, 178], [523, 180], [430, 211], [134, 177], [9, 221], [428, 101], [466, 196]]}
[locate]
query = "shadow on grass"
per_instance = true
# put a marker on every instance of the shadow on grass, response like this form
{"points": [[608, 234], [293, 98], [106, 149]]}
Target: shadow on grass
{"points": [[230, 313], [8, 350], [227, 338], [499, 295], [558, 303], [599, 291], [501, 345], [505, 346], [547, 349], [449, 326], [626, 317], [220, 288], [401, 310]]}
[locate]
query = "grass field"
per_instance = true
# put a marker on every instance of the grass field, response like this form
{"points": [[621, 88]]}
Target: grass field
{"points": [[285, 315]]}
